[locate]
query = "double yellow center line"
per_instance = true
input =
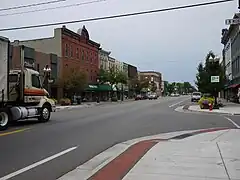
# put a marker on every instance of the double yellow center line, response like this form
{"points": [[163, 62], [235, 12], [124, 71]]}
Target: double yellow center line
{"points": [[14, 132]]}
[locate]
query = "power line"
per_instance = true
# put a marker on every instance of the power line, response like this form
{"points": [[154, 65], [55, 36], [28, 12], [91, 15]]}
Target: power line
{"points": [[59, 7], [32, 5], [116, 16]]}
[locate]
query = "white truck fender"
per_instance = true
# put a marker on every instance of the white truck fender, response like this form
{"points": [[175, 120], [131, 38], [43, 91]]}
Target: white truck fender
{"points": [[48, 101]]}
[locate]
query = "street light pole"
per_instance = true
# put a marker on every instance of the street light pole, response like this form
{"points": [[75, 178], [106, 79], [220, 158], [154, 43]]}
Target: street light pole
{"points": [[122, 91], [47, 75], [98, 98]]}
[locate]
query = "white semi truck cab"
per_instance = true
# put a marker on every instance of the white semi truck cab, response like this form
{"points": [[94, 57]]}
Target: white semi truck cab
{"points": [[21, 93]]}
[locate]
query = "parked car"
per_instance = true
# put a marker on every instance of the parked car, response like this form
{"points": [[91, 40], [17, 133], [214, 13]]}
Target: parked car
{"points": [[175, 94], [138, 97], [152, 96], [145, 96], [196, 96]]}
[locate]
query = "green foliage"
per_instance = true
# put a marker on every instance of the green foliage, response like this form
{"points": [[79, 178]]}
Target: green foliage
{"points": [[170, 88], [141, 85], [153, 87], [112, 76], [74, 81], [185, 87], [205, 101], [103, 76], [203, 77]]}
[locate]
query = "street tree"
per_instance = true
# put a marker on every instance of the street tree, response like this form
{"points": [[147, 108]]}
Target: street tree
{"points": [[115, 76], [103, 76], [187, 87], [153, 87], [140, 85], [74, 81], [170, 88], [212, 67]]}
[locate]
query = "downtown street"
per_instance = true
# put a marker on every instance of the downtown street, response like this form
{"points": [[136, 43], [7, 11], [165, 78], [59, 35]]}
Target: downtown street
{"points": [[47, 151]]}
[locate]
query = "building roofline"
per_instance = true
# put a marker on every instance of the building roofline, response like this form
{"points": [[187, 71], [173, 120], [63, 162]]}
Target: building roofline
{"points": [[37, 39], [150, 72], [107, 52], [78, 35]]}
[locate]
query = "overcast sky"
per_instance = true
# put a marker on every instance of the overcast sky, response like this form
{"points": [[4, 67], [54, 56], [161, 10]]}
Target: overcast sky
{"points": [[172, 43]]}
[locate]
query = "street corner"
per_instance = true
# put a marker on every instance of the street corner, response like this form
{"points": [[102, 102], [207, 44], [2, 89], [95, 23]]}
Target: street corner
{"points": [[117, 161], [114, 163], [194, 108], [221, 111]]}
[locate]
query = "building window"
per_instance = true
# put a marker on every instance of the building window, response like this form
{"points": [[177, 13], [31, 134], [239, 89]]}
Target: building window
{"points": [[54, 71], [82, 55], [77, 53], [71, 51], [87, 55], [66, 49]]}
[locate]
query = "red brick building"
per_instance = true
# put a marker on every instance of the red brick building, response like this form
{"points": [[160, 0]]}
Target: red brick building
{"points": [[75, 49], [78, 51]]}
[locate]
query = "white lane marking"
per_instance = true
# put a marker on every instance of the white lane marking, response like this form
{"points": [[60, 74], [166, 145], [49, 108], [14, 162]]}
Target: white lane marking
{"points": [[20, 171], [177, 103], [235, 124]]}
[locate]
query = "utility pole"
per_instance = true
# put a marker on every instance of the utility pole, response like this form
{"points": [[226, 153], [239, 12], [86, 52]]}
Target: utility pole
{"points": [[239, 4]]}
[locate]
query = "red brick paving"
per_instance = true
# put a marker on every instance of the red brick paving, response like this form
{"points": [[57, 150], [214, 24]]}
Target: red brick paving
{"points": [[122, 164]]}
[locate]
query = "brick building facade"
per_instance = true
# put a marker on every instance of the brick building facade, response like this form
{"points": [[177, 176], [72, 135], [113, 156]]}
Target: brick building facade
{"points": [[152, 77], [40, 60], [76, 50]]}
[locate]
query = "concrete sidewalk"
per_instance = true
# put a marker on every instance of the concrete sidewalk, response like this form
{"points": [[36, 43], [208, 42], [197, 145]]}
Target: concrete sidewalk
{"points": [[192, 155], [207, 156], [230, 110]]}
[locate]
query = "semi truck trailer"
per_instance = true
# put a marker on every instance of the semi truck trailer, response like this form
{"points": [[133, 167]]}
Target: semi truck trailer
{"points": [[22, 95]]}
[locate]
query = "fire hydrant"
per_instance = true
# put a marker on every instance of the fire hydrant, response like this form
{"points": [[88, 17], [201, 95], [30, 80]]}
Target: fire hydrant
{"points": [[210, 106]]}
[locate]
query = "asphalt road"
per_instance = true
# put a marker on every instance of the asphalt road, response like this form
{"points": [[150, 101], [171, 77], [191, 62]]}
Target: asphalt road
{"points": [[86, 132]]}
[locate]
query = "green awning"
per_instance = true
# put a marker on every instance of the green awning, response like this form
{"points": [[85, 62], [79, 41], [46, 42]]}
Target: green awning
{"points": [[104, 87], [100, 87], [91, 88]]}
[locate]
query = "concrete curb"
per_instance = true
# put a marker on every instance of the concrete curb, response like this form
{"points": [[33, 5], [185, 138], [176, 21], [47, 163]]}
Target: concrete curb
{"points": [[101, 161], [186, 108], [86, 105]]}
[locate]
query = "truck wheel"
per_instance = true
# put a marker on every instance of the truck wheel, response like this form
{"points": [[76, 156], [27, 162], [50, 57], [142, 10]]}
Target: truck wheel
{"points": [[4, 119], [45, 114]]}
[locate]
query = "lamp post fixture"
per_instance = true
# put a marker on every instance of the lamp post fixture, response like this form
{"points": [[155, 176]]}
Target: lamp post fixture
{"points": [[98, 97], [47, 75]]}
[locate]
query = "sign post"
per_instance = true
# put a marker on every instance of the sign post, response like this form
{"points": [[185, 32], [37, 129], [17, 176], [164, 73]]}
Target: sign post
{"points": [[215, 79]]}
